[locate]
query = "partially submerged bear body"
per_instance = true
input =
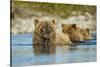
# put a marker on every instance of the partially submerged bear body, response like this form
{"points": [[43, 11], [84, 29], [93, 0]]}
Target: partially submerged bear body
{"points": [[44, 33], [71, 30], [86, 33], [62, 38]]}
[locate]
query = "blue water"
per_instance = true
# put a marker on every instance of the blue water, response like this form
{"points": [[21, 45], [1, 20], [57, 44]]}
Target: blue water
{"points": [[24, 54]]}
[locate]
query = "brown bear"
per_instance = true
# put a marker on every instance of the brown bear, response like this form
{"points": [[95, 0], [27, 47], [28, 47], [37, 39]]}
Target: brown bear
{"points": [[44, 32], [62, 38], [86, 33], [72, 31]]}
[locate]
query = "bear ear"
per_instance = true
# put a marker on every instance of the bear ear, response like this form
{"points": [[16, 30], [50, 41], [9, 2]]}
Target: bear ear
{"points": [[36, 21], [63, 25], [74, 26], [88, 30], [53, 21]]}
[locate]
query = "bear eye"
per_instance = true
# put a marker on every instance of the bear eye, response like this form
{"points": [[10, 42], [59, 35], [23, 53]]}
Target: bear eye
{"points": [[50, 27], [42, 29]]}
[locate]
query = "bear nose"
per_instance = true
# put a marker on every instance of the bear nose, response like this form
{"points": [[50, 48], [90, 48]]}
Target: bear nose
{"points": [[48, 31]]}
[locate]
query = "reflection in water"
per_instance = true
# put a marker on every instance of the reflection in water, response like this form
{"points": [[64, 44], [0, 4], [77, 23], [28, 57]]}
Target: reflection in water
{"points": [[39, 49], [44, 55], [52, 54]]}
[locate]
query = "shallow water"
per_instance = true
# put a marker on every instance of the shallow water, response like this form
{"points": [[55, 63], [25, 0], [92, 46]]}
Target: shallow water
{"points": [[23, 53]]}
